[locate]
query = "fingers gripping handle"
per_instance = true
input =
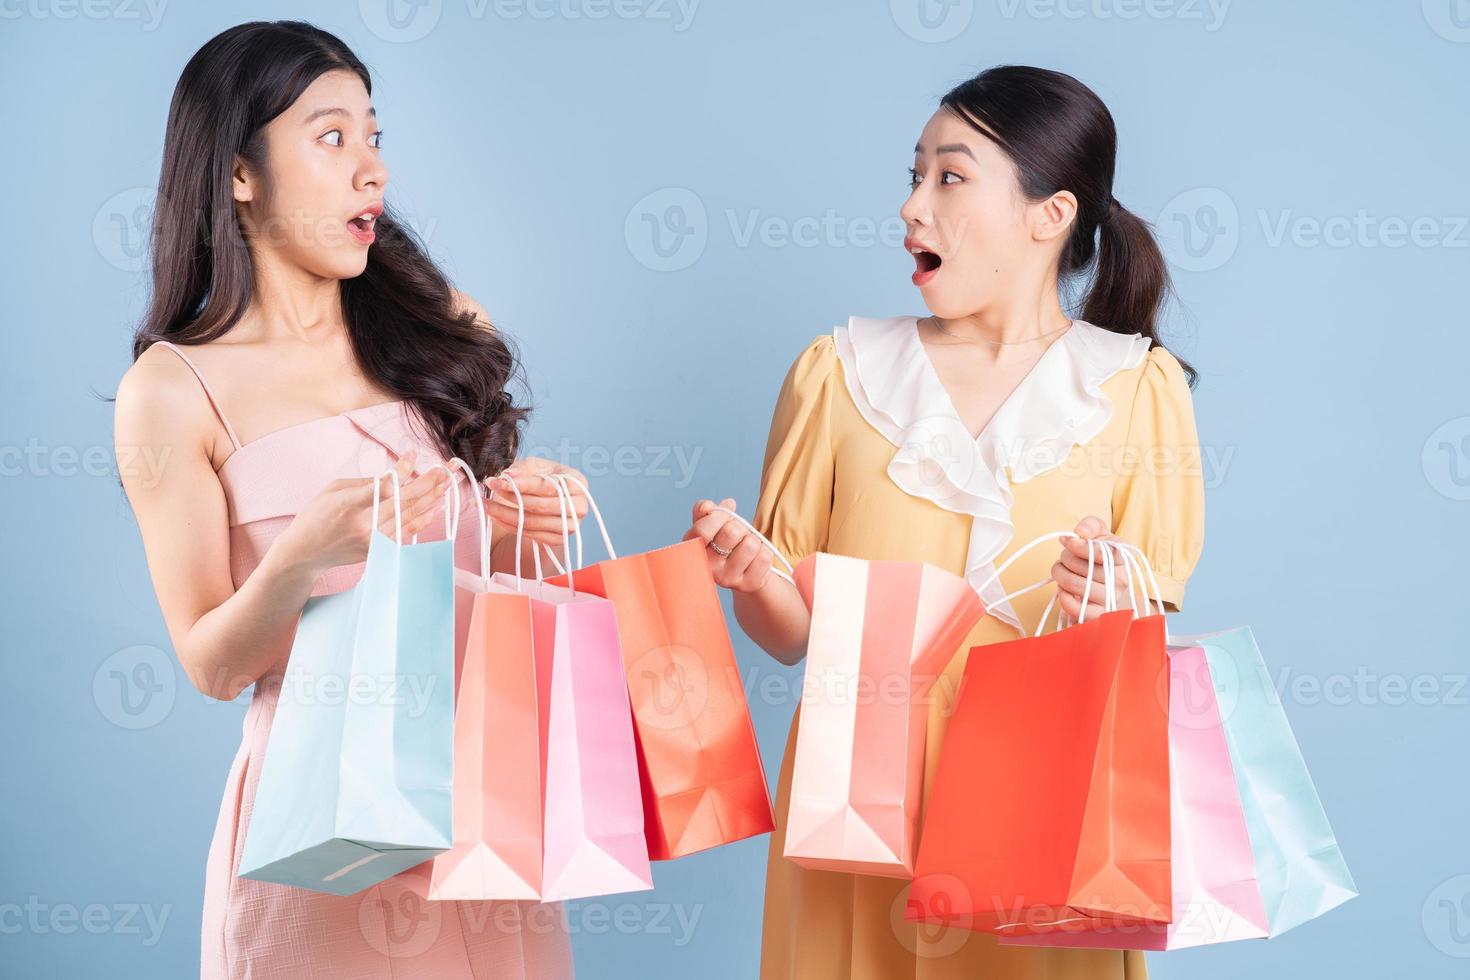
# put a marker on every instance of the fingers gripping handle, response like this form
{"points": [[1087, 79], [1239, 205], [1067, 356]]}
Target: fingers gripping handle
{"points": [[790, 572]]}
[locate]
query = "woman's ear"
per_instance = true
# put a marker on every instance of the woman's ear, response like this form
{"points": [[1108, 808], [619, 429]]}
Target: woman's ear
{"points": [[242, 182], [1053, 217]]}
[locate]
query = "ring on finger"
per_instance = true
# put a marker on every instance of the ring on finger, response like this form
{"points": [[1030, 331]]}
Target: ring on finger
{"points": [[722, 552]]}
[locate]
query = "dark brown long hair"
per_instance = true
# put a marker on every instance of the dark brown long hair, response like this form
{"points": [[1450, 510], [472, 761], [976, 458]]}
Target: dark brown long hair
{"points": [[399, 313], [1060, 136]]}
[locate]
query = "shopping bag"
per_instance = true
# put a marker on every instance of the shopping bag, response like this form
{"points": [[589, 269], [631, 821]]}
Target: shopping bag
{"points": [[703, 781], [1298, 863], [1050, 803], [355, 785], [498, 748], [593, 803], [1215, 893], [881, 633]]}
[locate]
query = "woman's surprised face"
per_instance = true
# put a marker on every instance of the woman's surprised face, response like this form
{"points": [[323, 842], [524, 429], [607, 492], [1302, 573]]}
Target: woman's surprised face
{"points": [[965, 218], [318, 201]]}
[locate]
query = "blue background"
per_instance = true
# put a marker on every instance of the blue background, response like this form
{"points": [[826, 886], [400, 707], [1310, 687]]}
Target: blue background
{"points": [[1286, 152]]}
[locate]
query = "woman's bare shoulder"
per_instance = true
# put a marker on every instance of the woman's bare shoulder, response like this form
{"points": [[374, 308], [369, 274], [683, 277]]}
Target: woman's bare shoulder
{"points": [[465, 303], [160, 402]]}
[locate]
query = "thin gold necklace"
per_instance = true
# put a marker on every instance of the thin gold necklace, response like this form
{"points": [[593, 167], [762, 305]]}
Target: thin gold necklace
{"points": [[1000, 343]]}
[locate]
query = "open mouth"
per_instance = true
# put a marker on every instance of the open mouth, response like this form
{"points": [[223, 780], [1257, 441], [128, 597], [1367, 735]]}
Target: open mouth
{"points": [[926, 264], [361, 227]]}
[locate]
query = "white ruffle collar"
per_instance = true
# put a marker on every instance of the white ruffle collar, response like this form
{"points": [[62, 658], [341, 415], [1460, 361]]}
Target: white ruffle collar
{"points": [[1058, 405]]}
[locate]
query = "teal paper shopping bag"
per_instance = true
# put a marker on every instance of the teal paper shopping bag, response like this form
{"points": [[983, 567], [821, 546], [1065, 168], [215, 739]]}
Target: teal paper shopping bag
{"points": [[355, 783], [1299, 866]]}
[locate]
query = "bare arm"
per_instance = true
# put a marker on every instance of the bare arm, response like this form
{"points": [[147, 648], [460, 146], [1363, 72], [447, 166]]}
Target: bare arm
{"points": [[226, 639]]}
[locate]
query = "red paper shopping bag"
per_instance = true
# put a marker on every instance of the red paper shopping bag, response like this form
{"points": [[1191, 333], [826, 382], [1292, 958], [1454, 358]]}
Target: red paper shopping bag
{"points": [[1051, 797]]}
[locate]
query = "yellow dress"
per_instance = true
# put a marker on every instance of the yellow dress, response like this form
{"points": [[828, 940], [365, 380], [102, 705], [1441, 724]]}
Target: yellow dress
{"points": [[1103, 426]]}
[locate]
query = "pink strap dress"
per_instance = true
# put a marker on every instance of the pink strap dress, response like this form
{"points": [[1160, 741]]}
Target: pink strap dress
{"points": [[254, 930]]}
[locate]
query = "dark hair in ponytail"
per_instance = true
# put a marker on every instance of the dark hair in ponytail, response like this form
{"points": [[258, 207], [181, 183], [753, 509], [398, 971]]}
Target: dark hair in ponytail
{"points": [[1060, 136], [400, 312]]}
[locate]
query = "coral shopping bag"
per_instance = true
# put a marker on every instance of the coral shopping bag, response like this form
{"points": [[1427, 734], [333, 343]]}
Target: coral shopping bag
{"points": [[592, 821], [1051, 797], [498, 745], [356, 780], [703, 781], [1215, 893], [881, 633]]}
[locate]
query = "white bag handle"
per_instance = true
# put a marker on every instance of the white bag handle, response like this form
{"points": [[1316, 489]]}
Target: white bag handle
{"points": [[569, 524], [484, 538], [451, 515], [520, 535], [1141, 559], [564, 479], [775, 552], [397, 506]]}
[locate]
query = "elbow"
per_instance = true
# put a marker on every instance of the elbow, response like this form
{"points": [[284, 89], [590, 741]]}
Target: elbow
{"points": [[788, 658], [216, 683]]}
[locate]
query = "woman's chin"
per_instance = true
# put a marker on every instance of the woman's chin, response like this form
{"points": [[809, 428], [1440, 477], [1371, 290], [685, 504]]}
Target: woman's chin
{"points": [[946, 307]]}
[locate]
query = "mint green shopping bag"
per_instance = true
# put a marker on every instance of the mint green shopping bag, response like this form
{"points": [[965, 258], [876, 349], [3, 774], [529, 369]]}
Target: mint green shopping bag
{"points": [[355, 783]]}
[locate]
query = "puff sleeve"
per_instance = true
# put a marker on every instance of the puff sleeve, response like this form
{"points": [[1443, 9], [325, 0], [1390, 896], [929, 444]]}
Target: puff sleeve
{"points": [[1158, 494], [795, 506]]}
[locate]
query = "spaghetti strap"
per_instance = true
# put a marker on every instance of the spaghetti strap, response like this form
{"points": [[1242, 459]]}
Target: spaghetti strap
{"points": [[208, 392]]}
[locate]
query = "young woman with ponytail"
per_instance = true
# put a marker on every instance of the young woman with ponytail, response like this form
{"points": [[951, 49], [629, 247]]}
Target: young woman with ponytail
{"points": [[954, 438]]}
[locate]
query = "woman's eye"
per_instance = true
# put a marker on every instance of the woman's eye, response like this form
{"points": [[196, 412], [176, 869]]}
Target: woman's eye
{"points": [[376, 140], [914, 177], [329, 134], [948, 174]]}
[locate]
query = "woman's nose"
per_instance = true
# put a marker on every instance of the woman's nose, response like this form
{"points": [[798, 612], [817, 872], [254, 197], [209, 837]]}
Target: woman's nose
{"points": [[915, 211], [372, 172]]}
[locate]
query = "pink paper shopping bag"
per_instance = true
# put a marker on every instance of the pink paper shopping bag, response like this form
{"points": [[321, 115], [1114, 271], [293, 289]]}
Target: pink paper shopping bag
{"points": [[593, 813], [498, 754], [881, 632], [543, 719]]}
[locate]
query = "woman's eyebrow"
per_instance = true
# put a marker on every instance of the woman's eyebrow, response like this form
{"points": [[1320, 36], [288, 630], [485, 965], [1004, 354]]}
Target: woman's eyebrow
{"points": [[335, 111], [946, 148]]}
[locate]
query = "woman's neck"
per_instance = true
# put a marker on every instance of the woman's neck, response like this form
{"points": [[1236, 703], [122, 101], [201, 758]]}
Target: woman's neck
{"points": [[289, 303], [1005, 327]]}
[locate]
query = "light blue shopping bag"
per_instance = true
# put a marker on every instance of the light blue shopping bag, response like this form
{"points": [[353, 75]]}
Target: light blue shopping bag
{"points": [[355, 784], [1299, 866]]}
